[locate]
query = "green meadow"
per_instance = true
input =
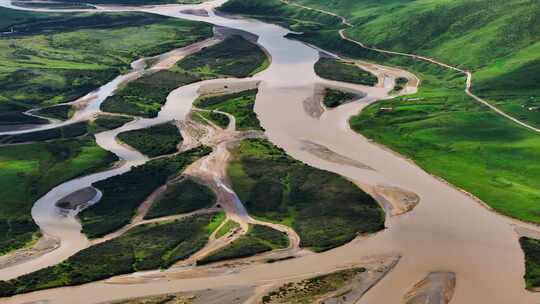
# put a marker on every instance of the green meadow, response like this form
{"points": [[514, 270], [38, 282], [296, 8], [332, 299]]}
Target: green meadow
{"points": [[54, 58], [29, 171]]}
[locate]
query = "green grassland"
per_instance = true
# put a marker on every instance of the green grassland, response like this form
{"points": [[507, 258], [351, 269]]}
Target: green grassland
{"points": [[440, 128], [257, 240], [108, 122], [54, 58], [144, 247], [338, 70], [122, 194], [531, 248], [154, 141], [29, 171], [240, 105], [183, 197], [334, 98], [325, 209], [234, 57], [229, 226]]}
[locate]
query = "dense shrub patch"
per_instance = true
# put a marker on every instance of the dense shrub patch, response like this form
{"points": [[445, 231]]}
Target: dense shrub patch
{"points": [[183, 197], [154, 141], [122, 194], [342, 71], [324, 208], [144, 247]]}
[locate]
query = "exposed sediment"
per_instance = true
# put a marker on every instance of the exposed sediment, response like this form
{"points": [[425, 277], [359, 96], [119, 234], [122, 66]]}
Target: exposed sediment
{"points": [[436, 288]]}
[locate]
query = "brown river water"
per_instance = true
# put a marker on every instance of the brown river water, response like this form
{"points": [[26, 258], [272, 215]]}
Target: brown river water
{"points": [[447, 231]]}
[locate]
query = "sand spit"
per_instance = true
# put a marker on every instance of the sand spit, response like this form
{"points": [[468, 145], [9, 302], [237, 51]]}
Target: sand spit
{"points": [[216, 88], [325, 153], [314, 106], [397, 201], [43, 246], [196, 12], [233, 295], [78, 199], [344, 286], [436, 288]]}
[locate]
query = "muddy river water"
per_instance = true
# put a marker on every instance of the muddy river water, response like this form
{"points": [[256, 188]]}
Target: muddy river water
{"points": [[447, 231]]}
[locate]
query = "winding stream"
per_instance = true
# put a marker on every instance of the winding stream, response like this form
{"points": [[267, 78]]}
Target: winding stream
{"points": [[447, 231]]}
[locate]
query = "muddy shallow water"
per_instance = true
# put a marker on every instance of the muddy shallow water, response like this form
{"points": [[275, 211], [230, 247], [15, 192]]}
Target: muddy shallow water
{"points": [[448, 231]]}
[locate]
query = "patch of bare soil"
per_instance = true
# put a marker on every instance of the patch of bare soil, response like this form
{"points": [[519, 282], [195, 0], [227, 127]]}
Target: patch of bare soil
{"points": [[397, 201], [436, 288], [43, 246], [325, 153], [234, 295], [210, 89], [345, 286], [196, 12], [77, 199]]}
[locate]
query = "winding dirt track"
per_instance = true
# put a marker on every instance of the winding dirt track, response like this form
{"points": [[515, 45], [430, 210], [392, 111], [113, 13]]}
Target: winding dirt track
{"points": [[468, 74]]}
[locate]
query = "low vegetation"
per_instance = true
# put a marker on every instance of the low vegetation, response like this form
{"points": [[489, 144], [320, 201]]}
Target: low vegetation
{"points": [[154, 141], [324, 208], [146, 95], [531, 248], [234, 57], [312, 290], [400, 84], [144, 247], [108, 122], [122, 194], [60, 112], [275, 12], [55, 58], [184, 197], [338, 70], [221, 120], [68, 131], [29, 171], [240, 105], [258, 239], [229, 226], [334, 98]]}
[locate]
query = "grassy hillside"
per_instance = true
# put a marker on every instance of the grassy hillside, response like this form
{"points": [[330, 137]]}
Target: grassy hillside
{"points": [[29, 171], [54, 58], [443, 130], [499, 40]]}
